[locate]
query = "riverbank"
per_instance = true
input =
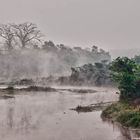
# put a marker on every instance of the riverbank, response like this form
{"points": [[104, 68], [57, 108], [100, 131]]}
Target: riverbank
{"points": [[124, 113]]}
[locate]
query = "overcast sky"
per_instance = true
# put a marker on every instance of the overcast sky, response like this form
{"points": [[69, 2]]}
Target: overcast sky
{"points": [[110, 24]]}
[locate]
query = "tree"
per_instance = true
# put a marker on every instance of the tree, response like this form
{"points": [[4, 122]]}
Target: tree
{"points": [[125, 72], [7, 34], [26, 33], [95, 49]]}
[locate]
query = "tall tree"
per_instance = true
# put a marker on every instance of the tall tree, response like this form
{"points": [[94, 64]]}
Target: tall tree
{"points": [[7, 34], [26, 33]]}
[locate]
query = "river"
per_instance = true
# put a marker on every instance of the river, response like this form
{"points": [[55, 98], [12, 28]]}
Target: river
{"points": [[48, 116]]}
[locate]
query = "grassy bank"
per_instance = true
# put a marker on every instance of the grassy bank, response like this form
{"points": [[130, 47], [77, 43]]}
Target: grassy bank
{"points": [[123, 113]]}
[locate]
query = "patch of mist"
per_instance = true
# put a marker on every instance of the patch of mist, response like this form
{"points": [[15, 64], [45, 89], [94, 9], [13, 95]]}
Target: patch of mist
{"points": [[39, 63], [22, 64]]}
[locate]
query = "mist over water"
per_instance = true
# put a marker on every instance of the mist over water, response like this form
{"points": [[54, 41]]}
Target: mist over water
{"points": [[28, 64], [36, 63]]}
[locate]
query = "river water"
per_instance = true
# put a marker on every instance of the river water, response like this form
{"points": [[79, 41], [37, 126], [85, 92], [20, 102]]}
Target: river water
{"points": [[47, 116]]}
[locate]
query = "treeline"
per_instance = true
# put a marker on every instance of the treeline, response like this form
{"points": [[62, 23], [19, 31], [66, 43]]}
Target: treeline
{"points": [[27, 35], [76, 56], [24, 54]]}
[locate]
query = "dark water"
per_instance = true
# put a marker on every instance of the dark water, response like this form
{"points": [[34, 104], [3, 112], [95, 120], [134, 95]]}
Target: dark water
{"points": [[47, 116]]}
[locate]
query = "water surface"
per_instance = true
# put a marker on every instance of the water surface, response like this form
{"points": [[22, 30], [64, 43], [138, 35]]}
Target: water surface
{"points": [[47, 116]]}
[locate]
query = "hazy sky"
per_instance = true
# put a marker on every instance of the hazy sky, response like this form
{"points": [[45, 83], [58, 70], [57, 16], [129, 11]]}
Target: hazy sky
{"points": [[110, 24]]}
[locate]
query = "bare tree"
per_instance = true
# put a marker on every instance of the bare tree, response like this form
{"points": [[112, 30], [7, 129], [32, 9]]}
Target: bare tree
{"points": [[7, 34], [26, 33]]}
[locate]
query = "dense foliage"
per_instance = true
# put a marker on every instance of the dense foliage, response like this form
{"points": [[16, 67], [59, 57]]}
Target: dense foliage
{"points": [[126, 72], [89, 74]]}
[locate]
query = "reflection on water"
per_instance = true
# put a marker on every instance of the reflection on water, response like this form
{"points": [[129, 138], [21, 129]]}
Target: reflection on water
{"points": [[10, 113], [46, 116]]}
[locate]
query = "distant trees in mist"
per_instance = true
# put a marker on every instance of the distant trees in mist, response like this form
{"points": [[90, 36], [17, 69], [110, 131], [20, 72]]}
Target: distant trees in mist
{"points": [[22, 55], [89, 74], [76, 56], [19, 34]]}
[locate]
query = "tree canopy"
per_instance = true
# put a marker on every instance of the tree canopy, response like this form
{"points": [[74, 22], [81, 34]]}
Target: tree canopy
{"points": [[126, 72], [21, 34]]}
